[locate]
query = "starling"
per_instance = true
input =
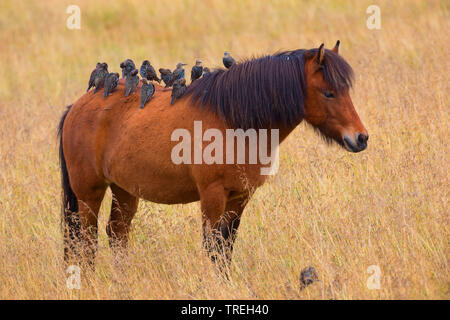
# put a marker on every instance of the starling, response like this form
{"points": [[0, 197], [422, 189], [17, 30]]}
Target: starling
{"points": [[147, 91], [127, 66], [131, 82], [179, 71], [206, 72], [179, 88], [196, 71], [307, 277], [100, 76], [111, 82], [228, 60], [148, 72], [177, 74], [93, 74], [166, 75]]}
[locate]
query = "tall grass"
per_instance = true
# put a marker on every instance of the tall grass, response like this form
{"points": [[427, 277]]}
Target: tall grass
{"points": [[337, 211]]}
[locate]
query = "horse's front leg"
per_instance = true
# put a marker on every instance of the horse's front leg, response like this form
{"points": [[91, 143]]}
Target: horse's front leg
{"points": [[213, 200], [229, 223], [221, 213]]}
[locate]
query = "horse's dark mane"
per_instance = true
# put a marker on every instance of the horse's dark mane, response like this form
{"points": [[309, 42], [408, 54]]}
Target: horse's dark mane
{"points": [[266, 91]]}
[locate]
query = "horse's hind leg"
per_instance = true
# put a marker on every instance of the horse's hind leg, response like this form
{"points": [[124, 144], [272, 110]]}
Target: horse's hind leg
{"points": [[89, 202], [123, 209]]}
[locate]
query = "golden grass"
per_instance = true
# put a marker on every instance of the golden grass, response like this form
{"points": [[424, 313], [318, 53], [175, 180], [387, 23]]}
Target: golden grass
{"points": [[337, 211]]}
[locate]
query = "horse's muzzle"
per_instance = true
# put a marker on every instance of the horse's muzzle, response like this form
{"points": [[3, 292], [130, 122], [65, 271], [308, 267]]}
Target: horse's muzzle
{"points": [[357, 144]]}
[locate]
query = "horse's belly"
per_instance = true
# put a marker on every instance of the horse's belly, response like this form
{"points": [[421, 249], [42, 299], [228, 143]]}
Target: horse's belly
{"points": [[153, 181], [168, 192]]}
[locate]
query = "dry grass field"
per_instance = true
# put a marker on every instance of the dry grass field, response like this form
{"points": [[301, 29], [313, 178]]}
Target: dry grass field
{"points": [[337, 211]]}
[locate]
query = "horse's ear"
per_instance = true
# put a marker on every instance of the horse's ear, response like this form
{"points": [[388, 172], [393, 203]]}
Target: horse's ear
{"points": [[336, 47], [320, 54]]}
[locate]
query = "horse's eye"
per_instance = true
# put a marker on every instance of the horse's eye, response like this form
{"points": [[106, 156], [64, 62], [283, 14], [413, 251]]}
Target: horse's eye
{"points": [[328, 94]]}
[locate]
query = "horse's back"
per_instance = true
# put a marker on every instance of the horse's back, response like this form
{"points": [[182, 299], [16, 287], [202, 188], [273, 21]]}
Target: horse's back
{"points": [[111, 140]]}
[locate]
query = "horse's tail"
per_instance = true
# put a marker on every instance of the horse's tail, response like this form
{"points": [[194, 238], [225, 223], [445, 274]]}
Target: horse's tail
{"points": [[69, 220]]}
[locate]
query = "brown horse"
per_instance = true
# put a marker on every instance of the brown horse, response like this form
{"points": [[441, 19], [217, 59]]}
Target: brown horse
{"points": [[112, 143]]}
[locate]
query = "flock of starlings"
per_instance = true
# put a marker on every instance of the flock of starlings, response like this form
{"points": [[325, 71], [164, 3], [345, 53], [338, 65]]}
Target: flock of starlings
{"points": [[101, 78]]}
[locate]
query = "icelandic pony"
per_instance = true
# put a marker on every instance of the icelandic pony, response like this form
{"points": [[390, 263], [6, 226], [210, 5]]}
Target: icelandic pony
{"points": [[112, 143]]}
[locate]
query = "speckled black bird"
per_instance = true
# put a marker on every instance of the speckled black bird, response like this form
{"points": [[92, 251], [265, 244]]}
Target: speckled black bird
{"points": [[196, 71], [206, 72], [179, 88], [111, 82], [307, 277], [166, 75], [92, 78], [131, 82], [100, 76], [177, 74], [127, 66], [147, 91], [228, 60], [148, 72]]}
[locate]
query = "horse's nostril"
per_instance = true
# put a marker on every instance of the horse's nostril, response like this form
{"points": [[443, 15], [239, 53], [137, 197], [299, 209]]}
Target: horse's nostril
{"points": [[362, 139]]}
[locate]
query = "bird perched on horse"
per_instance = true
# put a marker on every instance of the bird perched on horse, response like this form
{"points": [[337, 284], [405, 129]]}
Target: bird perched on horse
{"points": [[196, 71], [127, 66], [228, 60], [100, 76], [177, 74], [131, 82], [206, 72], [148, 72], [179, 88], [111, 82], [93, 74], [166, 75], [147, 91]]}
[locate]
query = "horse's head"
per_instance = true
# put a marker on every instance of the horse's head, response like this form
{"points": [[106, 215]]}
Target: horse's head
{"points": [[328, 106]]}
